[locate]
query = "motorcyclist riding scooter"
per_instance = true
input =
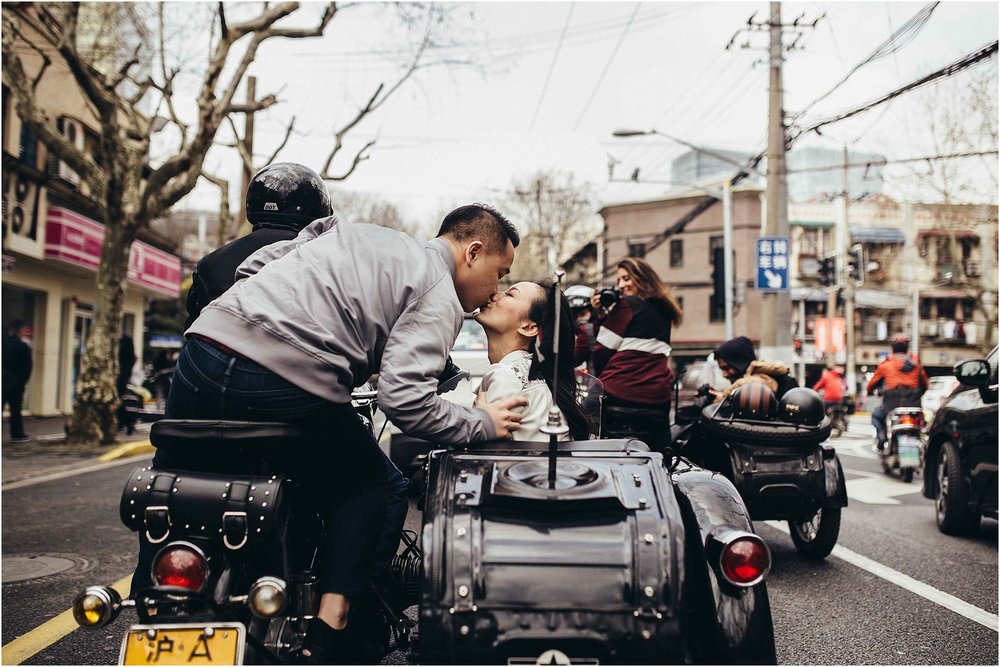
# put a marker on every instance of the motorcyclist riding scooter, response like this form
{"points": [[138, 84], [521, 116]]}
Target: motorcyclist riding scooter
{"points": [[902, 380]]}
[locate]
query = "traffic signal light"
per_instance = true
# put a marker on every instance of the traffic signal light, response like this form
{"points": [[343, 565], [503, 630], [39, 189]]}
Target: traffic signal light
{"points": [[718, 278], [828, 270], [856, 264]]}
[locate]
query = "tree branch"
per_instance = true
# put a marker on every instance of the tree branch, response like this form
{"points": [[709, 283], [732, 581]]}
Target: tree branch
{"points": [[328, 13], [241, 147], [358, 159], [91, 82], [257, 105], [288, 133], [223, 28], [225, 215]]}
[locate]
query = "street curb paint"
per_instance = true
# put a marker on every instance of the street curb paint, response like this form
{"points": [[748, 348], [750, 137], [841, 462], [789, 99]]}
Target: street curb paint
{"points": [[126, 450], [49, 632]]}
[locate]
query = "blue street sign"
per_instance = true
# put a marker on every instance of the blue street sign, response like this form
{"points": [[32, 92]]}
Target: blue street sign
{"points": [[772, 263]]}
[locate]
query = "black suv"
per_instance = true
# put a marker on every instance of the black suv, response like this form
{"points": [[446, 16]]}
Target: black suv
{"points": [[961, 461]]}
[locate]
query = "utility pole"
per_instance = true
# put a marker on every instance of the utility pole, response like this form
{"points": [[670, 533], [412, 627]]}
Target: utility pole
{"points": [[843, 241], [776, 311], [244, 225], [775, 334]]}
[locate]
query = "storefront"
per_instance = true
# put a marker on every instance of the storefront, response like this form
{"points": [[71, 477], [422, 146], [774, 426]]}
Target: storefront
{"points": [[48, 282]]}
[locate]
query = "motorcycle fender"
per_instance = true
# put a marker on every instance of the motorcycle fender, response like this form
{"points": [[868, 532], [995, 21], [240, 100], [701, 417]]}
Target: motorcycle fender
{"points": [[836, 487], [731, 625]]}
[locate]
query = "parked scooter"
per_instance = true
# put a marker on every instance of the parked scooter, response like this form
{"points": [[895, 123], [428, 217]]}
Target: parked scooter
{"points": [[903, 453]]}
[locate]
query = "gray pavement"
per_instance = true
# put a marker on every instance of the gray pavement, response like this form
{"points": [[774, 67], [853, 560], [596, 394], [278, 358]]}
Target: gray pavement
{"points": [[48, 452]]}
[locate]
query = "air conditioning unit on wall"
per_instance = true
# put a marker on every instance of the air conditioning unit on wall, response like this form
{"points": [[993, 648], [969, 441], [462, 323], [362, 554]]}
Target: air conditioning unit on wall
{"points": [[73, 131], [21, 205]]}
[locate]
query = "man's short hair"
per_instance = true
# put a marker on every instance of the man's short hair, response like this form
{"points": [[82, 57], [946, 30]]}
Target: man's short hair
{"points": [[17, 325], [482, 222]]}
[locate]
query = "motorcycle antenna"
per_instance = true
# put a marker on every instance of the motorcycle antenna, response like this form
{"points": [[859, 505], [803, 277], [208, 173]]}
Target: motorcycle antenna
{"points": [[555, 426]]}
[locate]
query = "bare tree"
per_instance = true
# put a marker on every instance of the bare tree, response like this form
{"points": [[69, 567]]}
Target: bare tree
{"points": [[371, 209], [962, 117], [554, 214], [125, 188]]}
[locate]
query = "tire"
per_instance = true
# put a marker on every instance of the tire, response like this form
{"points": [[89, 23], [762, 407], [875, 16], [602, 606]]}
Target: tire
{"points": [[908, 475], [776, 435], [816, 537], [953, 517]]}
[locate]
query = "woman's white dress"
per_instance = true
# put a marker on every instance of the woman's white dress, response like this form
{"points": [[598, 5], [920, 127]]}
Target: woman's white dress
{"points": [[509, 378]]}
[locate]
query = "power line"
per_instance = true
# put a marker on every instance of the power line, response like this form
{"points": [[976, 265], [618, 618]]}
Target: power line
{"points": [[895, 42], [985, 52], [552, 66], [607, 66]]}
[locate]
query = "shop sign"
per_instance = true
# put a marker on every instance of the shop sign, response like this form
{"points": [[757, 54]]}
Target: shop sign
{"points": [[75, 239]]}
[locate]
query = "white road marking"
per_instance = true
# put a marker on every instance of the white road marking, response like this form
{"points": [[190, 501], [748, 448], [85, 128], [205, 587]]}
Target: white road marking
{"points": [[878, 488], [904, 581], [62, 474]]}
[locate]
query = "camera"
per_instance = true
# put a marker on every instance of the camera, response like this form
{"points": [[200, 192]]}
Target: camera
{"points": [[609, 296]]}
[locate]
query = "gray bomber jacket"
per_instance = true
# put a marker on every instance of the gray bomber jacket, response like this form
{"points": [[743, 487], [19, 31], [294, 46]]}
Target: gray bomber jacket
{"points": [[340, 301]]}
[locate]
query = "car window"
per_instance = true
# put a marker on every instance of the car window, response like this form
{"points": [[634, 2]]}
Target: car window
{"points": [[992, 361], [472, 337]]}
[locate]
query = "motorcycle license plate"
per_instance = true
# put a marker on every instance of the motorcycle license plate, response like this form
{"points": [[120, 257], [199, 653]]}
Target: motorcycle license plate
{"points": [[909, 451], [184, 644]]}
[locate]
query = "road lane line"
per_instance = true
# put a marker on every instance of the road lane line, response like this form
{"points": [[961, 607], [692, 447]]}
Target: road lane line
{"points": [[61, 474], [906, 582], [49, 632]]}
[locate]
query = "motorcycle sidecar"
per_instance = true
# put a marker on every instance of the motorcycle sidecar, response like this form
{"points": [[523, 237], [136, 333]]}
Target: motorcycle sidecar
{"points": [[618, 560]]}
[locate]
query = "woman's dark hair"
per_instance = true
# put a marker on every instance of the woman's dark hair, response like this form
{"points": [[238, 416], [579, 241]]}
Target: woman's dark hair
{"points": [[542, 312], [650, 286]]}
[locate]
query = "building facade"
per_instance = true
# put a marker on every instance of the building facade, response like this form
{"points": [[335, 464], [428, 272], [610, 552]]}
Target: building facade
{"points": [[52, 235]]}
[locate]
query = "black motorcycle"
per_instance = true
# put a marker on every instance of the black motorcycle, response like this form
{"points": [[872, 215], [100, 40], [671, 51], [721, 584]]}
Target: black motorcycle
{"points": [[776, 459]]}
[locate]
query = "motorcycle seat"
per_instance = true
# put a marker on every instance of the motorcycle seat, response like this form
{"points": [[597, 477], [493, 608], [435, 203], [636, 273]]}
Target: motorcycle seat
{"points": [[183, 434]]}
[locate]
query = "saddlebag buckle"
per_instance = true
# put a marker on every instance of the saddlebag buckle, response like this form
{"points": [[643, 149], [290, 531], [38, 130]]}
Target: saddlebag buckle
{"points": [[157, 517], [234, 524]]}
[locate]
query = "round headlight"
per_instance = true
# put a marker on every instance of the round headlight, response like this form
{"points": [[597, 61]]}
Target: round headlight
{"points": [[267, 597], [96, 607]]}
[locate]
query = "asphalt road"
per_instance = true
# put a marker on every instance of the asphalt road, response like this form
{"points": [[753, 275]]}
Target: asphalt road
{"points": [[895, 592]]}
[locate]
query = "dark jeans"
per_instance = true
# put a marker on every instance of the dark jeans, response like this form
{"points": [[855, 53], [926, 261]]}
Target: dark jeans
{"points": [[878, 421], [647, 422], [366, 493], [13, 396]]}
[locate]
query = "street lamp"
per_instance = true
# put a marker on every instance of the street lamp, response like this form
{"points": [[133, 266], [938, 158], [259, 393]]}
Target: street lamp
{"points": [[726, 195]]}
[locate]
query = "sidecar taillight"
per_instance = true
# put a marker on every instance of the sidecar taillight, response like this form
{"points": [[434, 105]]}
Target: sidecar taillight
{"points": [[181, 564], [745, 560]]}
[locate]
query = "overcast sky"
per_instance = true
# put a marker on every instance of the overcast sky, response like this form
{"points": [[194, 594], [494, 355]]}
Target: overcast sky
{"points": [[558, 78]]}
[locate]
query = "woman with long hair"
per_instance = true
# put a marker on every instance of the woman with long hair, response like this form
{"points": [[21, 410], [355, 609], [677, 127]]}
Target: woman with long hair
{"points": [[632, 353], [520, 331]]}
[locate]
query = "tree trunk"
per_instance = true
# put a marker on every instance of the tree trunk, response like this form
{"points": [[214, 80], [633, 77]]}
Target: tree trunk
{"points": [[97, 399]]}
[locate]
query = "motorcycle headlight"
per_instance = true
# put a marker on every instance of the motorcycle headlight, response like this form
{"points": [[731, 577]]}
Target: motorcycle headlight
{"points": [[267, 597], [96, 607]]}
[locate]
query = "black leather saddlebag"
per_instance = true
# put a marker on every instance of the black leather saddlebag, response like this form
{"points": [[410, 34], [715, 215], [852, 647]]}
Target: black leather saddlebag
{"points": [[237, 510], [517, 572]]}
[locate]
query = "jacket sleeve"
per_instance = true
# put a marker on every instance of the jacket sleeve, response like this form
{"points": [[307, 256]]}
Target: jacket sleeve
{"points": [[877, 378], [610, 335], [256, 261], [415, 352], [197, 298], [581, 346], [500, 382]]}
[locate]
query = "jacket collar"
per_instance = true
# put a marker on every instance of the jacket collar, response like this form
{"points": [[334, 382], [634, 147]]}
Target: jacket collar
{"points": [[441, 246]]}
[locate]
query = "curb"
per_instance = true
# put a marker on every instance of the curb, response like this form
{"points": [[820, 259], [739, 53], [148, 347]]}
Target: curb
{"points": [[126, 450]]}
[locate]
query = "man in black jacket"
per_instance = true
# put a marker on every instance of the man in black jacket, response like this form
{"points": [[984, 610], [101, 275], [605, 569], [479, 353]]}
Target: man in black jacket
{"points": [[16, 371], [282, 198], [739, 364]]}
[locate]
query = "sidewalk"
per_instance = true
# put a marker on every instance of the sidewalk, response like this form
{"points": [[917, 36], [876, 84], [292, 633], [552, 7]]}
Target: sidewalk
{"points": [[48, 452]]}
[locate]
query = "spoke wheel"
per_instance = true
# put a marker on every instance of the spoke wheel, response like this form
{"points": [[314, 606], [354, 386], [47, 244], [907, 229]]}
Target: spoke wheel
{"points": [[816, 536]]}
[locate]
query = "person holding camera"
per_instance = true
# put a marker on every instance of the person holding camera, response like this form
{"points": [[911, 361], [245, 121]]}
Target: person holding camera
{"points": [[634, 321]]}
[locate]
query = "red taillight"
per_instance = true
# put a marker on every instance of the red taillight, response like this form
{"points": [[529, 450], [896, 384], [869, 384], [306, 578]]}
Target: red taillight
{"points": [[180, 564], [909, 420], [745, 560]]}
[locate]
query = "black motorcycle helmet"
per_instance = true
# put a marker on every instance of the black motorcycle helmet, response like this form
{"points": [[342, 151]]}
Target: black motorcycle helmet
{"points": [[287, 196], [801, 406], [754, 401]]}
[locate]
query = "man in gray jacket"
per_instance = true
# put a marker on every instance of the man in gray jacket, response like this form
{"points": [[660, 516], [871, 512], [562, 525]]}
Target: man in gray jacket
{"points": [[312, 317]]}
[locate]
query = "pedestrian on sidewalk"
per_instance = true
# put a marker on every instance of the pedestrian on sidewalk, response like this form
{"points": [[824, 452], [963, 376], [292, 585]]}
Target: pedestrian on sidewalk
{"points": [[16, 372]]}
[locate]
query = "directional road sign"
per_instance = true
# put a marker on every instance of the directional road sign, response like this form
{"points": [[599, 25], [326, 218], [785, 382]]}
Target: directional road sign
{"points": [[772, 263]]}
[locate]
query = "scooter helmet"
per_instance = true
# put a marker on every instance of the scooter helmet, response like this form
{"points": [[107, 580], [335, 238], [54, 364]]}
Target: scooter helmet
{"points": [[754, 401], [801, 406], [286, 195], [900, 343], [579, 296]]}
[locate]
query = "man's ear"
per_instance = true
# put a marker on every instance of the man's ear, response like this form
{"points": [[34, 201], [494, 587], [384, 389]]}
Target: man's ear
{"points": [[472, 251]]}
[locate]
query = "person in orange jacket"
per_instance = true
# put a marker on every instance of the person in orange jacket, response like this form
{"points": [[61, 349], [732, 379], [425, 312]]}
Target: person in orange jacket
{"points": [[902, 379], [830, 386]]}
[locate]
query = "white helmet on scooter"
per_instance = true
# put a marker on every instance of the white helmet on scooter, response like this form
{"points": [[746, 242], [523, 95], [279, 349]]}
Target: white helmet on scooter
{"points": [[579, 296]]}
